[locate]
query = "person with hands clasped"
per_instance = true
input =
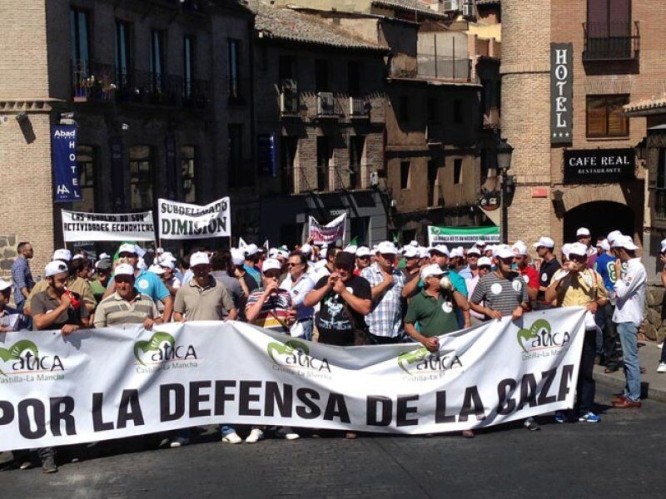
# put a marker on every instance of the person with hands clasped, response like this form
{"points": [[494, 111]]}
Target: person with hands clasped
{"points": [[575, 285]]}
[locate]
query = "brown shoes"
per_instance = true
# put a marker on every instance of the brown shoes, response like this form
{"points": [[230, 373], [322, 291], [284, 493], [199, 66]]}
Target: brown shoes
{"points": [[468, 434], [626, 403]]}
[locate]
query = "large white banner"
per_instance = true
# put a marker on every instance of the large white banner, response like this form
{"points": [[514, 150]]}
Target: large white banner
{"points": [[116, 382], [78, 226], [328, 233], [191, 221]]}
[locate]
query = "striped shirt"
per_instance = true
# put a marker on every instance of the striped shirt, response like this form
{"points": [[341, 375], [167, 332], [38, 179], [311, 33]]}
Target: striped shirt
{"points": [[501, 294], [385, 318], [274, 311], [115, 310]]}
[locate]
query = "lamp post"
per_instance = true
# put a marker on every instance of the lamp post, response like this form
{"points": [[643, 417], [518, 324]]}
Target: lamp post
{"points": [[504, 152]]}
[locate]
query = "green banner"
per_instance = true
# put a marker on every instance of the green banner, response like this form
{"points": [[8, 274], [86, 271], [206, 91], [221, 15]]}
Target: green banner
{"points": [[462, 235]]}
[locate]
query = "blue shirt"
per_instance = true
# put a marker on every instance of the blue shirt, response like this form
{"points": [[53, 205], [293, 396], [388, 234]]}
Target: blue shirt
{"points": [[150, 284], [22, 278], [254, 273], [605, 267]]}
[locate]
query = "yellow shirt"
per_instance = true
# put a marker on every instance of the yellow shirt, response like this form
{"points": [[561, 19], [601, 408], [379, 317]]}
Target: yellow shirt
{"points": [[580, 289]]}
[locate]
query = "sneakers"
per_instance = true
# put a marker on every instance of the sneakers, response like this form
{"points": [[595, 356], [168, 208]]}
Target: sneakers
{"points": [[561, 417], [661, 368], [232, 438], [179, 442], [255, 435], [589, 417], [287, 432], [49, 465], [531, 425]]}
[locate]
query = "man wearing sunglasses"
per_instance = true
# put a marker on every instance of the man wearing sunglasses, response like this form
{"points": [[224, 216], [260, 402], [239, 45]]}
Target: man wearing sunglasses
{"points": [[549, 265], [298, 284]]}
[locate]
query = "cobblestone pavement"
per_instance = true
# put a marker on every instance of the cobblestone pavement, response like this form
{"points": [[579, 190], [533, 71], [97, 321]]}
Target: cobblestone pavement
{"points": [[619, 457]]}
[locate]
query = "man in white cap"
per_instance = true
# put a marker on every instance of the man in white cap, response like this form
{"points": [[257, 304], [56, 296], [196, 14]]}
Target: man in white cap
{"points": [[145, 282], [580, 286], [412, 256], [203, 298], [126, 305], [584, 236], [363, 259], [630, 289], [549, 265], [385, 318], [252, 261], [529, 274], [298, 284], [57, 309]]}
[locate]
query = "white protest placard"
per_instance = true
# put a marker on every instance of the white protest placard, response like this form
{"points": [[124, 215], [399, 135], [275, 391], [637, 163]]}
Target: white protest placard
{"points": [[191, 221], [125, 381], [328, 233], [78, 226]]}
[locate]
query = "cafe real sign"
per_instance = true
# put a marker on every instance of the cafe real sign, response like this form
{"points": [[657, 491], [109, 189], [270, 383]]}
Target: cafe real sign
{"points": [[598, 166], [561, 93]]}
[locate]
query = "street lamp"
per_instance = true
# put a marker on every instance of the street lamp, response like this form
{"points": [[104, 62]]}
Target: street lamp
{"points": [[504, 152]]}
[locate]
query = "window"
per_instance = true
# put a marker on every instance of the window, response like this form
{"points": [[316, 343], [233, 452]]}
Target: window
{"points": [[188, 173], [433, 111], [157, 69], [80, 35], [286, 67], [288, 147], [660, 189], [354, 78], [457, 111], [433, 170], [233, 70], [404, 109], [188, 65], [85, 162], [360, 228], [321, 75], [457, 171], [142, 169], [608, 31], [238, 176], [323, 162], [605, 117], [404, 174], [356, 144], [123, 54]]}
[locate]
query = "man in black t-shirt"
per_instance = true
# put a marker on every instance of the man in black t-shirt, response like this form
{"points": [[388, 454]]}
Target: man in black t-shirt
{"points": [[549, 265], [345, 299]]}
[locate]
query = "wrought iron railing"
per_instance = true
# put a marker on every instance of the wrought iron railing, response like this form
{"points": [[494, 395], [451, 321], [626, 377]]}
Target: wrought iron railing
{"points": [[611, 41]]}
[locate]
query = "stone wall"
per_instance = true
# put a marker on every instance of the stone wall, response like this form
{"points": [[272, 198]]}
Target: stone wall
{"points": [[653, 328], [7, 255]]}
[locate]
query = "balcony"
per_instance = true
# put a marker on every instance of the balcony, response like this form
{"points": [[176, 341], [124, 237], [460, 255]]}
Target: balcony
{"points": [[359, 108], [611, 41], [96, 82], [327, 106]]}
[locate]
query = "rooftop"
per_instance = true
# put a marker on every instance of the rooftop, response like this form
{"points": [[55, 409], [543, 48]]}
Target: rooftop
{"points": [[411, 6], [655, 105], [291, 25]]}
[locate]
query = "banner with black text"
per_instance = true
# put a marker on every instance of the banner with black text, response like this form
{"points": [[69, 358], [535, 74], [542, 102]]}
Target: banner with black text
{"points": [[117, 382], [79, 226], [191, 221]]}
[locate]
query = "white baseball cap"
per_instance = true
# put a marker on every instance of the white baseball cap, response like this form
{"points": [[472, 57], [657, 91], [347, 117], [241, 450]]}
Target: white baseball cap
{"points": [[484, 260], [474, 250], [431, 270], [199, 258], [605, 245], [62, 254], [271, 264], [352, 248], [663, 245], [411, 252], [544, 241], [519, 248], [566, 248], [125, 269], [55, 267], [363, 251], [156, 269], [237, 256], [583, 231], [251, 249], [457, 253], [612, 236], [4, 284], [577, 249], [504, 251], [169, 264], [626, 242], [127, 248], [387, 248], [440, 248], [480, 243], [306, 249]]}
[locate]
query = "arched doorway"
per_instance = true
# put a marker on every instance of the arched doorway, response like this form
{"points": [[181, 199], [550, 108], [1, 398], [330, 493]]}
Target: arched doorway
{"points": [[601, 217]]}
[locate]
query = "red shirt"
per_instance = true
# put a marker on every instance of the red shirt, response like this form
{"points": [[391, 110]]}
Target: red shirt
{"points": [[531, 276]]}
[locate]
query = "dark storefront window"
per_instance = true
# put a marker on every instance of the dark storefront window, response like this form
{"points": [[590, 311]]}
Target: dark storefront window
{"points": [[605, 117]]}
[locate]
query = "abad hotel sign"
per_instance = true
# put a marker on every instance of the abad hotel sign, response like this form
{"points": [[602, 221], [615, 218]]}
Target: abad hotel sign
{"points": [[561, 93]]}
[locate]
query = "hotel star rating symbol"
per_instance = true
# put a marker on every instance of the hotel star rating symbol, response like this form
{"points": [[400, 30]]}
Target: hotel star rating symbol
{"points": [[561, 134]]}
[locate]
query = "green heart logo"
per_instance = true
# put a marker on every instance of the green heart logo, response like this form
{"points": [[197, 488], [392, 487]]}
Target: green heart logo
{"points": [[152, 344], [14, 352], [287, 348], [533, 332]]}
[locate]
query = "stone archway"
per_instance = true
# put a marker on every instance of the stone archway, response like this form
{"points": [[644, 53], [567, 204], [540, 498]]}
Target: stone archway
{"points": [[600, 217]]}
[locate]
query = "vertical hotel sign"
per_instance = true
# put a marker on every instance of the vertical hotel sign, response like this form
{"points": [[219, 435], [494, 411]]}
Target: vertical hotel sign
{"points": [[561, 93], [65, 170]]}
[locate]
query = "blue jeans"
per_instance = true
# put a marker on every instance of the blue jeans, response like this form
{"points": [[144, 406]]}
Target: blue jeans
{"points": [[628, 334], [226, 430]]}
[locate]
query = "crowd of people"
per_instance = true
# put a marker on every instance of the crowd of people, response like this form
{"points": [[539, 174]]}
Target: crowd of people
{"points": [[347, 296]]}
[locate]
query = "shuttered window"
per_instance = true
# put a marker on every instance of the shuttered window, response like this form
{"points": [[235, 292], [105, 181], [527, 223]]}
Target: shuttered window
{"points": [[605, 117]]}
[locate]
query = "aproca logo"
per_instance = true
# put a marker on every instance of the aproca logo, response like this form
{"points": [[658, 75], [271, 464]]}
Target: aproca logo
{"points": [[424, 362], [540, 336], [23, 358], [160, 348], [295, 354]]}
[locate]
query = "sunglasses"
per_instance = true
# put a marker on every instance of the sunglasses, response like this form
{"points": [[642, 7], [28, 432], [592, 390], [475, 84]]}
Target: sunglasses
{"points": [[272, 274], [290, 264]]}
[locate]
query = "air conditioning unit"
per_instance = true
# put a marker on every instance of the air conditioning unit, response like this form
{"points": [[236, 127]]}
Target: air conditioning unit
{"points": [[451, 5], [325, 104], [358, 107], [289, 97], [468, 9]]}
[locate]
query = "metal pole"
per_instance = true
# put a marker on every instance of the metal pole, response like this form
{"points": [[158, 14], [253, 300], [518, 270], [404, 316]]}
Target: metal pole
{"points": [[505, 211]]}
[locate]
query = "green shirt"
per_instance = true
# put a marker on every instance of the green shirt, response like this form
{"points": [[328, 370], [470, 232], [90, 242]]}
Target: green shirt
{"points": [[436, 316]]}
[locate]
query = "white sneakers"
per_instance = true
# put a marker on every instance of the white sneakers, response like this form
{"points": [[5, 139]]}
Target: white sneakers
{"points": [[255, 435], [661, 368], [232, 438]]}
